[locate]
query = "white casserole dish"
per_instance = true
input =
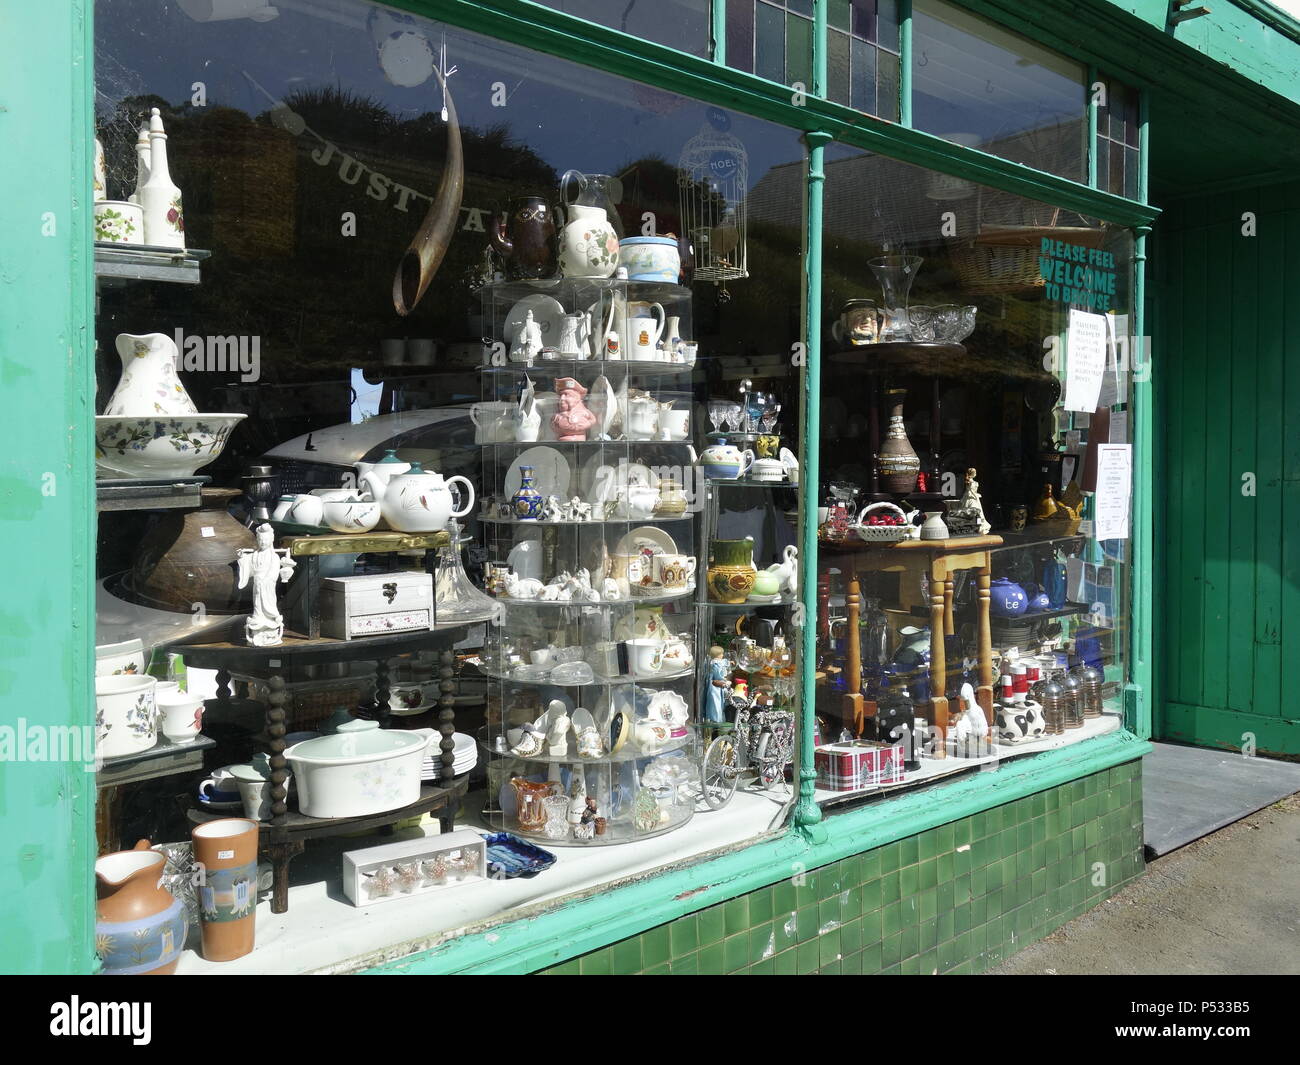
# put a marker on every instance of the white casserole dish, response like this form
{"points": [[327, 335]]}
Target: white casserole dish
{"points": [[360, 770]]}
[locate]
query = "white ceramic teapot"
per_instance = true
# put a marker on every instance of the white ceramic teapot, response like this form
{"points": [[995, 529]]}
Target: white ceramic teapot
{"points": [[725, 462], [373, 477], [419, 501]]}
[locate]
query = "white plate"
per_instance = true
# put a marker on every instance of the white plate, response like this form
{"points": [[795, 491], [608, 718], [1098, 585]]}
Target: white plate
{"points": [[547, 312], [647, 536], [550, 472]]}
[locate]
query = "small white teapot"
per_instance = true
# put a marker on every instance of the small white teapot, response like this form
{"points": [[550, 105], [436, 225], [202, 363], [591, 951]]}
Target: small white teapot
{"points": [[419, 501]]}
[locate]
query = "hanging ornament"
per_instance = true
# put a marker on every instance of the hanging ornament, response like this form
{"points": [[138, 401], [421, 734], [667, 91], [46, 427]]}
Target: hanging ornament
{"points": [[712, 182]]}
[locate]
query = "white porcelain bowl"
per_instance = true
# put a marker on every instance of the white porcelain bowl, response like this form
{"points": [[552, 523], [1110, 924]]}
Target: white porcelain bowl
{"points": [[360, 770], [115, 659], [351, 515], [166, 446]]}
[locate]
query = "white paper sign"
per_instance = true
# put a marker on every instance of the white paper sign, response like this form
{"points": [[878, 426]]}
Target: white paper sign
{"points": [[1119, 427], [1085, 360], [1114, 488], [1116, 334]]}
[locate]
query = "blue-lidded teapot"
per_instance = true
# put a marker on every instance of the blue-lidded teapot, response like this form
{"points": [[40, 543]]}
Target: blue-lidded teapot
{"points": [[1008, 599]]}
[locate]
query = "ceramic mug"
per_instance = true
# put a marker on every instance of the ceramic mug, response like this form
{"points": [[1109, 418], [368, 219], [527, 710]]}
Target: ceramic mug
{"points": [[255, 791], [180, 715], [220, 787], [644, 333], [674, 571], [646, 657], [632, 568], [281, 511]]}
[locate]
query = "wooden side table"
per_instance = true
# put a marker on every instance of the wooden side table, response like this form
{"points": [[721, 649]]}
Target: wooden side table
{"points": [[939, 560]]}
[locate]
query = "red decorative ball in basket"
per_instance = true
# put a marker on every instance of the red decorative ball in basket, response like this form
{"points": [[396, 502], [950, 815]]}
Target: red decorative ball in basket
{"points": [[883, 523]]}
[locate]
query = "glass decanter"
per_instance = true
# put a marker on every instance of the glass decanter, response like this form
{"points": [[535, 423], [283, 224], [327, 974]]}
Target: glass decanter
{"points": [[896, 274], [455, 597]]}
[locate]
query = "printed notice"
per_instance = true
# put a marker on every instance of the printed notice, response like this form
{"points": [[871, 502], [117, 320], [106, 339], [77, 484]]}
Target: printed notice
{"points": [[1114, 487], [1085, 360]]}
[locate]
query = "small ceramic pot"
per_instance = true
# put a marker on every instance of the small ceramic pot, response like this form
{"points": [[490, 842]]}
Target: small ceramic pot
{"points": [[1019, 518], [352, 515], [767, 470], [650, 259], [126, 715], [766, 583], [724, 462], [731, 575], [116, 659], [119, 222], [934, 528]]}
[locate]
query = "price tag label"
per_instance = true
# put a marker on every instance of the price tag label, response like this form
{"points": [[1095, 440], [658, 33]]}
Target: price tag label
{"points": [[223, 855], [207, 530]]}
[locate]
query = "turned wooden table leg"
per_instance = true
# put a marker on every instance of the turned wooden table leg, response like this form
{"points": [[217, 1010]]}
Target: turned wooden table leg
{"points": [[853, 664], [984, 694], [938, 661], [447, 712], [949, 627], [281, 853], [275, 729]]}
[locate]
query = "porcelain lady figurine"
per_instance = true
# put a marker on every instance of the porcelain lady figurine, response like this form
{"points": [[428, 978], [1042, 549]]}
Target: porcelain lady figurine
{"points": [[149, 383], [573, 419], [264, 565], [164, 222], [970, 500], [719, 686]]}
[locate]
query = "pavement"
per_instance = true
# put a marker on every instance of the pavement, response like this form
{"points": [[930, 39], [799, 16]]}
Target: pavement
{"points": [[1228, 903]]}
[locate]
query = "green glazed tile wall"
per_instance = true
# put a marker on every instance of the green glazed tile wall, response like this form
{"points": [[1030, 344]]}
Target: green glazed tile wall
{"points": [[956, 899]]}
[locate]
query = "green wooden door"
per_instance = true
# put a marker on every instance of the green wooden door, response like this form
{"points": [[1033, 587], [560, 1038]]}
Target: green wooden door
{"points": [[1227, 371]]}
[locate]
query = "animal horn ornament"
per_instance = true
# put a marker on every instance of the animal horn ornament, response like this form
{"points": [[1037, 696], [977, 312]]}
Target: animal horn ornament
{"points": [[432, 239]]}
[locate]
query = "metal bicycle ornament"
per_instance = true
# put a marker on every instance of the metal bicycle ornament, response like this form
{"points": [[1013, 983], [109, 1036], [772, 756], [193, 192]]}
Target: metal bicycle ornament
{"points": [[712, 182], [759, 747]]}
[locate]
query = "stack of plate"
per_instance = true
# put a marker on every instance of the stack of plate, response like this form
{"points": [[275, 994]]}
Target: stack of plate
{"points": [[465, 754]]}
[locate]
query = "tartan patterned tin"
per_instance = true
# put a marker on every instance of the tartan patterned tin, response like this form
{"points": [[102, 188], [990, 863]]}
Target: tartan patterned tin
{"points": [[860, 764]]}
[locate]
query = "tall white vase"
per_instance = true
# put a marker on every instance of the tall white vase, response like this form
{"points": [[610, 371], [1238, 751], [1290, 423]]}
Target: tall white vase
{"points": [[164, 223], [150, 385]]}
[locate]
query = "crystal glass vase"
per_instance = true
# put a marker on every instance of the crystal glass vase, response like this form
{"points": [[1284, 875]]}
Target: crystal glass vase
{"points": [[455, 597], [896, 274]]}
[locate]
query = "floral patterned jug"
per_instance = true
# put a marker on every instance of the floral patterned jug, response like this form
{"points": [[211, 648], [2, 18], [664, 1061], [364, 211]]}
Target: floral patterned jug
{"points": [[150, 384], [589, 241]]}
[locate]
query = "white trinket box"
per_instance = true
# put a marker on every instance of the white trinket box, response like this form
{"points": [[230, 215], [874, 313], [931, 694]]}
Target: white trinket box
{"points": [[376, 604], [412, 867]]}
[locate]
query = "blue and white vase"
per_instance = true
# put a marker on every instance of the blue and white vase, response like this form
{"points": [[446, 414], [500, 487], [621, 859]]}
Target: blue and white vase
{"points": [[527, 502]]}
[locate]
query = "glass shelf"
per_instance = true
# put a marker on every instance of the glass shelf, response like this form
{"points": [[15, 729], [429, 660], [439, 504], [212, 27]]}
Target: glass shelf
{"points": [[750, 604], [553, 286], [627, 753], [571, 367], [119, 263], [656, 518], [640, 600], [598, 681]]}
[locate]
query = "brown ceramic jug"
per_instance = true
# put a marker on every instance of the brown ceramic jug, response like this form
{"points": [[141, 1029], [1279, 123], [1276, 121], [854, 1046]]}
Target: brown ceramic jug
{"points": [[188, 558], [526, 239], [226, 850], [139, 925]]}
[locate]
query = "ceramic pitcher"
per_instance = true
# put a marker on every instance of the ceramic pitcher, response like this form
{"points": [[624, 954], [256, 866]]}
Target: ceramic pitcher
{"points": [[588, 245], [139, 925], [149, 385]]}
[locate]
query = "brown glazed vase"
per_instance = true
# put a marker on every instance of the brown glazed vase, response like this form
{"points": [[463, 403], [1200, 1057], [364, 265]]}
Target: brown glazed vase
{"points": [[139, 925], [226, 850], [526, 239], [898, 460], [731, 574], [189, 557]]}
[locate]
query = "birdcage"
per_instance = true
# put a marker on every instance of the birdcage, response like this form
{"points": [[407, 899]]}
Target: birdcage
{"points": [[712, 180]]}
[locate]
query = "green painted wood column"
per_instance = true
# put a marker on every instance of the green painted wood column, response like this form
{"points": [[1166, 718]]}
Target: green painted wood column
{"points": [[1138, 701], [47, 503], [718, 16], [905, 63]]}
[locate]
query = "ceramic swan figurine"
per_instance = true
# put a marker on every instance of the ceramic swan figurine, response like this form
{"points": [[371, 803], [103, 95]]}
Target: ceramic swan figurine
{"points": [[787, 570]]}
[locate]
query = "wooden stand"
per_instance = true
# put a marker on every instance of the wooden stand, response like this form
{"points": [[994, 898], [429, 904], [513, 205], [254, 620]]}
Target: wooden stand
{"points": [[939, 560]]}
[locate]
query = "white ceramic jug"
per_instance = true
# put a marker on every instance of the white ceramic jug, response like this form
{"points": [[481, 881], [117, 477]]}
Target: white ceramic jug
{"points": [[588, 245], [149, 385], [418, 501]]}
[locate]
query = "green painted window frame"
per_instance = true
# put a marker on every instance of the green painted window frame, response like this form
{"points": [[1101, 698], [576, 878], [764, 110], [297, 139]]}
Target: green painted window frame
{"points": [[63, 63]]}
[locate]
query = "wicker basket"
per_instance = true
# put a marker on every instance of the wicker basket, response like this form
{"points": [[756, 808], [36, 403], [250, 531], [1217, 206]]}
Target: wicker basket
{"points": [[881, 534]]}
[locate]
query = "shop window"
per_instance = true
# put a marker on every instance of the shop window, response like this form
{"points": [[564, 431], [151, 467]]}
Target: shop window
{"points": [[984, 87], [681, 24], [391, 271], [1117, 137], [975, 432]]}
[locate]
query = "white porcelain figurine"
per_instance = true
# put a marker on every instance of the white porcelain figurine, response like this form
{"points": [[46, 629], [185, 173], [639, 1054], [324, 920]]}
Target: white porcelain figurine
{"points": [[264, 565]]}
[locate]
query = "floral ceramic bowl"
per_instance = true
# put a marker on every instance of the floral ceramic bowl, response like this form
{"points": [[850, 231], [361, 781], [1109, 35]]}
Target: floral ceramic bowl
{"points": [[166, 446]]}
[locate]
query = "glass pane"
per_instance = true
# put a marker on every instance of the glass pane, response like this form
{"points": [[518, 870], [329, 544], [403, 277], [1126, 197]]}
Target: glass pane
{"points": [[1116, 184], [887, 85], [952, 416], [838, 14], [864, 19], [1103, 163], [800, 7], [798, 51], [864, 76], [740, 36], [769, 42], [978, 84], [362, 242], [681, 24], [1131, 156], [887, 24], [837, 67]]}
